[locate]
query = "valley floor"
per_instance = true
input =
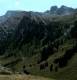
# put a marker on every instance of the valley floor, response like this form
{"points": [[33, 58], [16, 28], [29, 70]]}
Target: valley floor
{"points": [[22, 77]]}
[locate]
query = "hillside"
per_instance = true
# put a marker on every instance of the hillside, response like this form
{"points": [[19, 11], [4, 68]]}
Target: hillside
{"points": [[39, 44]]}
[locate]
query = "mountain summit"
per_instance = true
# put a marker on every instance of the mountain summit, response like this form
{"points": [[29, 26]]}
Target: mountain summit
{"points": [[63, 10]]}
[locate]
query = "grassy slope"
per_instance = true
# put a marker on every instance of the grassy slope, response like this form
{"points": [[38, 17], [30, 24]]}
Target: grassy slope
{"points": [[66, 73]]}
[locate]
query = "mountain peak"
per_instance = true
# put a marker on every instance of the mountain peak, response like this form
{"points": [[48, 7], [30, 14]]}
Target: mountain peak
{"points": [[63, 10], [53, 8]]}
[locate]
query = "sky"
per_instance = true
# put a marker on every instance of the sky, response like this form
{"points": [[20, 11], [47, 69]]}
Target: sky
{"points": [[33, 5]]}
